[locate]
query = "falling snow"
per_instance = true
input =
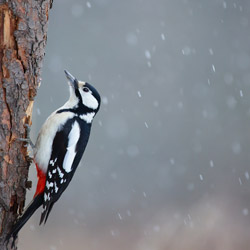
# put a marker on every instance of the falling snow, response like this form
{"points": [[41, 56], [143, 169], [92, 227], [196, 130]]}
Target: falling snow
{"points": [[156, 104], [88, 4], [119, 215], [105, 100], [213, 67], [172, 161], [247, 175], [186, 51], [245, 211], [236, 147], [147, 54], [156, 228], [211, 163], [211, 52], [240, 181], [38, 111], [53, 247], [173, 124]]}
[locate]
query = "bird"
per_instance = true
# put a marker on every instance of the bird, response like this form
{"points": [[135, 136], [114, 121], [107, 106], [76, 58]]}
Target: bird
{"points": [[59, 148]]}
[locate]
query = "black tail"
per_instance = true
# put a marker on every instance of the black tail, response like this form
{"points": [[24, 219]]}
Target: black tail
{"points": [[33, 206], [45, 214]]}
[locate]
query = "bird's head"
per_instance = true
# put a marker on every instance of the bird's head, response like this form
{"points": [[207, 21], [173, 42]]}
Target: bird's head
{"points": [[83, 96]]}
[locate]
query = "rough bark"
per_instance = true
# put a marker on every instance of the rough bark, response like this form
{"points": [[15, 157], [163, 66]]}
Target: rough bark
{"points": [[23, 30]]}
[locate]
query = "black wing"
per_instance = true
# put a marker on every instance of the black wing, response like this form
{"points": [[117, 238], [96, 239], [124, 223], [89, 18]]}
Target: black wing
{"points": [[68, 147]]}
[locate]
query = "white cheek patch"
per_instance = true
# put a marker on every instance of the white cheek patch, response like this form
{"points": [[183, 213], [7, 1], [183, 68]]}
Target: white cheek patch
{"points": [[70, 155], [89, 100]]}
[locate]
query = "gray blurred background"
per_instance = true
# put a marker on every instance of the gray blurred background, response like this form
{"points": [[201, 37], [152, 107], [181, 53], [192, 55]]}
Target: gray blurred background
{"points": [[167, 166]]}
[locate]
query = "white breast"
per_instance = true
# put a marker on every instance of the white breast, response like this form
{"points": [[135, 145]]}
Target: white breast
{"points": [[46, 136]]}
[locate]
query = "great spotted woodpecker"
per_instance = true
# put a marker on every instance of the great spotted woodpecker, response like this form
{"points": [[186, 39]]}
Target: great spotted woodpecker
{"points": [[59, 148]]}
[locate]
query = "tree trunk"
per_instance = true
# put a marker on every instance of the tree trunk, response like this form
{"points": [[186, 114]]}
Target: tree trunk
{"points": [[23, 31]]}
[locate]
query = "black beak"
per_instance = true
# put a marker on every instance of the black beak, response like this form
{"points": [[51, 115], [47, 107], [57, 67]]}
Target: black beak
{"points": [[71, 79]]}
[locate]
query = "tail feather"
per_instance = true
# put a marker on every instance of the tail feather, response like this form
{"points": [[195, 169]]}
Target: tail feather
{"points": [[34, 205], [45, 214]]}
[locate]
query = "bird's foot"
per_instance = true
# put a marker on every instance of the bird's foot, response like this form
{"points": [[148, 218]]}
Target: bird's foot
{"points": [[27, 139]]}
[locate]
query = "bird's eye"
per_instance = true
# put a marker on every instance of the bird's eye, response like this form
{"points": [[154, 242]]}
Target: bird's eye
{"points": [[85, 89]]}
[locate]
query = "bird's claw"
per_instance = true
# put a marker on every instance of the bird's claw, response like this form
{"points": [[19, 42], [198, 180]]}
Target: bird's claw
{"points": [[27, 140]]}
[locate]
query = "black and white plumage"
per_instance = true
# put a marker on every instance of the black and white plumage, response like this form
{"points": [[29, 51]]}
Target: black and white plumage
{"points": [[68, 146], [59, 147]]}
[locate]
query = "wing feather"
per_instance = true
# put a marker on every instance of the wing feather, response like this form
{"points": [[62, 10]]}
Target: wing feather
{"points": [[74, 136], [60, 165]]}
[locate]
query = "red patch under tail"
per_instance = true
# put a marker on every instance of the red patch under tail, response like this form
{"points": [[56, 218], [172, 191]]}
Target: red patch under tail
{"points": [[41, 181]]}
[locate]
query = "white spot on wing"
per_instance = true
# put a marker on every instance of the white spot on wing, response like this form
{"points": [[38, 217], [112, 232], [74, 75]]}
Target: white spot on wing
{"points": [[56, 188], [73, 139], [60, 172], [48, 185], [52, 162], [88, 117], [45, 197], [50, 175]]}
